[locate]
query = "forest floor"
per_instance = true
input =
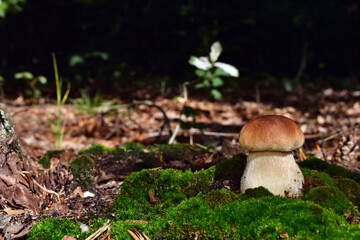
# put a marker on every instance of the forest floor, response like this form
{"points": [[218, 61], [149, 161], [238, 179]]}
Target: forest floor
{"points": [[328, 119], [325, 115]]}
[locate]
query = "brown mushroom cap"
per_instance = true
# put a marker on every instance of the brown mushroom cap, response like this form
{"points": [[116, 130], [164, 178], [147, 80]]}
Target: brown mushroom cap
{"points": [[271, 133]]}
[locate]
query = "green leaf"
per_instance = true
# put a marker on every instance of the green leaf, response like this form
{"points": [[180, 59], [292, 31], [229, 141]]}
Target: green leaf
{"points": [[215, 51], [288, 85], [2, 78], [233, 71], [203, 84], [201, 62], [24, 75], [199, 85], [185, 125], [103, 55], [75, 59], [217, 82], [189, 111], [199, 72], [42, 79], [220, 73], [216, 94], [37, 93]]}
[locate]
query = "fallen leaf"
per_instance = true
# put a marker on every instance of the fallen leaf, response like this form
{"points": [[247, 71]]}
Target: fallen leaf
{"points": [[284, 235], [14, 212], [68, 238], [137, 221], [152, 198]]}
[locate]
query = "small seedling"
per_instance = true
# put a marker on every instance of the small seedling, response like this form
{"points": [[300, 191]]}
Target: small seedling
{"points": [[58, 129], [32, 82], [210, 73]]}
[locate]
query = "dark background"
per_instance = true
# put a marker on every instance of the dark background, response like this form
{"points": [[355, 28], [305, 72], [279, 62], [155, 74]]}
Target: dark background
{"points": [[136, 43]]}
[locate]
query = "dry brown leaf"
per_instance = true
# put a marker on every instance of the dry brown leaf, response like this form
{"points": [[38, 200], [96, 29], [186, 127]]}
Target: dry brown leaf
{"points": [[68, 238], [78, 191], [137, 221], [14, 212], [284, 235], [151, 197]]}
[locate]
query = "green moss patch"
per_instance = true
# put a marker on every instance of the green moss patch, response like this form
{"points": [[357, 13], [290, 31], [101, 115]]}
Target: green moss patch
{"points": [[82, 167], [45, 161], [333, 170], [331, 198], [151, 192], [140, 157], [263, 218], [257, 192], [55, 228], [230, 169], [351, 189]]}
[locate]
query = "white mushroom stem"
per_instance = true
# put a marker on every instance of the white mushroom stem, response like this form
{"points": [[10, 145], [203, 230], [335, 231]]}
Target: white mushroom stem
{"points": [[276, 171]]}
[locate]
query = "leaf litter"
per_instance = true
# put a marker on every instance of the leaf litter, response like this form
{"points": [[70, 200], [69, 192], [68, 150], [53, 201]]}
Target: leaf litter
{"points": [[329, 119]]}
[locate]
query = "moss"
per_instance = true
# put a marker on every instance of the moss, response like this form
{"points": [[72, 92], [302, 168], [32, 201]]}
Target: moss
{"points": [[332, 170], [96, 149], [55, 229], [331, 198], [216, 198], [315, 178], [169, 187], [45, 161], [184, 206], [231, 169], [149, 157], [257, 192], [133, 147], [82, 167], [351, 189], [263, 218], [181, 152]]}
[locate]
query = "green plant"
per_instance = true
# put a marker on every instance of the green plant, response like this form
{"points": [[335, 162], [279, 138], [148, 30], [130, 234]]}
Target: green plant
{"points": [[82, 167], [55, 228], [58, 129], [89, 104], [210, 73], [32, 82], [10, 6]]}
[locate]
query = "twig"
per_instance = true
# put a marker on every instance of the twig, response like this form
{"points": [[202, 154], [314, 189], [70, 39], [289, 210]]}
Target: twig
{"points": [[185, 97], [177, 127], [138, 234], [221, 134], [322, 141], [151, 104], [133, 235], [146, 237], [173, 136], [341, 132], [105, 227], [323, 151], [45, 189], [107, 235]]}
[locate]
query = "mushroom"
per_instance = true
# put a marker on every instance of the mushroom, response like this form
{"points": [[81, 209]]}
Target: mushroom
{"points": [[270, 140]]}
